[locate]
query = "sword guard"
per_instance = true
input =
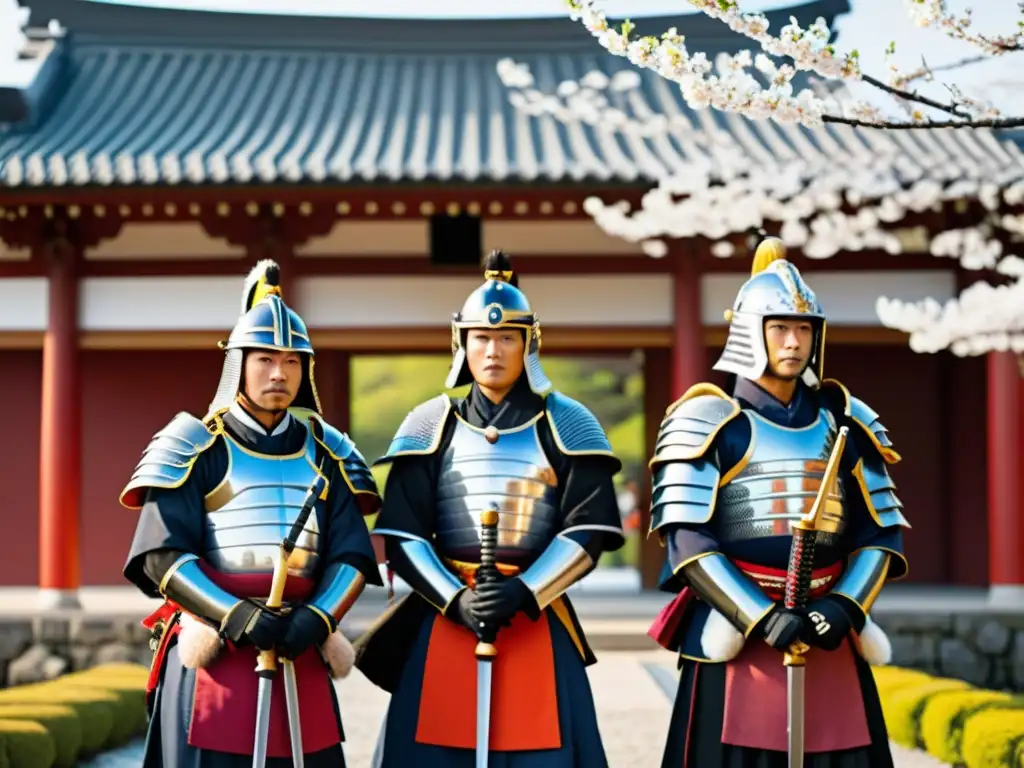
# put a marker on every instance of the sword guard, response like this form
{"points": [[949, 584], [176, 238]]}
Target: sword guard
{"points": [[485, 651], [796, 655], [266, 664]]}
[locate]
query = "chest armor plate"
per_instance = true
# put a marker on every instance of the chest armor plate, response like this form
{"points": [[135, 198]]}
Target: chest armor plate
{"points": [[511, 475], [780, 481], [252, 509]]}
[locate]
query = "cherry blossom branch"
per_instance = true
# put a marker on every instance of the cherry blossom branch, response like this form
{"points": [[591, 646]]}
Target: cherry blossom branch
{"points": [[1000, 122], [905, 95], [933, 13], [809, 50]]}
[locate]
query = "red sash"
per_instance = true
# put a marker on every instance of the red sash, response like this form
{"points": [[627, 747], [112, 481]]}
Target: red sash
{"points": [[224, 706], [667, 626]]}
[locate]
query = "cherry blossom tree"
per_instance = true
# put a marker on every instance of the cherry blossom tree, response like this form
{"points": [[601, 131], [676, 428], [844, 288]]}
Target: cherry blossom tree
{"points": [[840, 203]]}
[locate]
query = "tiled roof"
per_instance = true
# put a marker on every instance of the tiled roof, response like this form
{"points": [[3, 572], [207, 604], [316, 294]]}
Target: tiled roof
{"points": [[229, 99]]}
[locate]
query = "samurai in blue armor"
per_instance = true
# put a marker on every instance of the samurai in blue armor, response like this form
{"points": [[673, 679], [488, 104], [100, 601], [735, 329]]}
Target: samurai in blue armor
{"points": [[216, 497], [543, 462]]}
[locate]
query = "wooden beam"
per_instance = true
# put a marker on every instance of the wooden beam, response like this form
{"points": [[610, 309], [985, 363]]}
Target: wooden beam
{"points": [[21, 339], [558, 339], [531, 264], [391, 201]]}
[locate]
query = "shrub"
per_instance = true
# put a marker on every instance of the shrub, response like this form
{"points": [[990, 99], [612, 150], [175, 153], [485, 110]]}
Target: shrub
{"points": [[994, 738], [944, 715], [892, 678], [96, 709], [61, 722], [25, 744], [131, 694], [902, 707]]}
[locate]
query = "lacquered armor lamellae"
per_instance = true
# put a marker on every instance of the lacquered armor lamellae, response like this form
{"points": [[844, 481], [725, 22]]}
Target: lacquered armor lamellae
{"points": [[511, 475], [779, 482], [252, 510]]}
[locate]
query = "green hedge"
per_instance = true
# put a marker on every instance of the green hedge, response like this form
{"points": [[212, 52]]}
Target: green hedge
{"points": [[56, 723], [956, 723]]}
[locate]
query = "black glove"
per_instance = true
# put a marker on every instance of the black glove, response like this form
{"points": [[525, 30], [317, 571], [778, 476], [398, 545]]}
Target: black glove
{"points": [[827, 623], [251, 623], [497, 602], [462, 610], [305, 629], [782, 628]]}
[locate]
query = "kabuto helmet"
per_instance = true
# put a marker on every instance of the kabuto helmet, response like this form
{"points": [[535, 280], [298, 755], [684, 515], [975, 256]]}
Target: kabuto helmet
{"points": [[498, 303], [266, 323], [775, 289]]}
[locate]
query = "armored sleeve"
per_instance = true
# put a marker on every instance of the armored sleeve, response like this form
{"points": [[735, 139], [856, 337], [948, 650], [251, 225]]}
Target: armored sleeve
{"points": [[169, 458], [182, 462], [875, 519], [407, 515], [349, 560], [590, 521], [687, 472], [352, 468]]}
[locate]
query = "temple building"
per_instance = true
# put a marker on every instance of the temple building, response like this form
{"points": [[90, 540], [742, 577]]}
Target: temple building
{"points": [[150, 156]]}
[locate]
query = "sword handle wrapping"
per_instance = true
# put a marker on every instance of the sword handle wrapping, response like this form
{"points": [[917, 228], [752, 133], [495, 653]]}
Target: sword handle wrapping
{"points": [[801, 563], [487, 572]]}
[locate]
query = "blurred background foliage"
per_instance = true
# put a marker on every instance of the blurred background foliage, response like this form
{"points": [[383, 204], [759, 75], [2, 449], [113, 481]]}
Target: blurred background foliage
{"points": [[385, 388]]}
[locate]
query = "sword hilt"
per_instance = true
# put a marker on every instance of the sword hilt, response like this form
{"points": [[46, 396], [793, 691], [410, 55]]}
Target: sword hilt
{"points": [[801, 564], [266, 663], [488, 571]]}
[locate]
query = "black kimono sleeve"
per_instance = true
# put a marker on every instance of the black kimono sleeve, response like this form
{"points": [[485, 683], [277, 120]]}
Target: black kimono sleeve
{"points": [[347, 539]]}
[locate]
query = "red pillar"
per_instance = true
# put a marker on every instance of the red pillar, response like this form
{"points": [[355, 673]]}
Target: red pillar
{"points": [[60, 438], [1005, 485], [689, 360]]}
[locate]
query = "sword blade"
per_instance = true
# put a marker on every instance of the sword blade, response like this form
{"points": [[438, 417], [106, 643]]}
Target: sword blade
{"points": [[795, 714], [291, 698], [259, 750], [483, 712]]}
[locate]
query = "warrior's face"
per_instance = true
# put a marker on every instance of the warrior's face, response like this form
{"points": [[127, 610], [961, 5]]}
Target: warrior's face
{"points": [[495, 357], [790, 343], [272, 378]]}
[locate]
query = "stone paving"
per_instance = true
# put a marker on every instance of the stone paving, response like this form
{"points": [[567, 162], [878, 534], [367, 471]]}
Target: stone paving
{"points": [[632, 692]]}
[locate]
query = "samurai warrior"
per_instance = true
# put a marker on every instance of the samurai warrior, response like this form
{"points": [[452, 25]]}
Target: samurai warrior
{"points": [[542, 461], [732, 473], [216, 498]]}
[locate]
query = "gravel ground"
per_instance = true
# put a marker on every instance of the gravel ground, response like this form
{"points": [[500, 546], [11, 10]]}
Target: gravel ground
{"points": [[633, 702]]}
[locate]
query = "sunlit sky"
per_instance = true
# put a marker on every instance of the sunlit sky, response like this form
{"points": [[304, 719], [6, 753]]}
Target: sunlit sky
{"points": [[1000, 80]]}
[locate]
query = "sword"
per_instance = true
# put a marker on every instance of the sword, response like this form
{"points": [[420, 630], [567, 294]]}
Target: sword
{"points": [[266, 666], [485, 651], [291, 700], [798, 587]]}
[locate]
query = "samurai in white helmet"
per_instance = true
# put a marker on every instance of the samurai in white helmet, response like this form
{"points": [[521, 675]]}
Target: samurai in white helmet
{"points": [[540, 462], [775, 290], [216, 497], [732, 474]]}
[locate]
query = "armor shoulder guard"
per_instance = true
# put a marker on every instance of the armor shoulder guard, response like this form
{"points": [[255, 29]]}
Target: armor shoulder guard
{"points": [[838, 396], [353, 467], [575, 429], [420, 433], [692, 423], [168, 459]]}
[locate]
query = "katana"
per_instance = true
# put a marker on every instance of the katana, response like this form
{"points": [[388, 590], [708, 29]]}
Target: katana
{"points": [[266, 666], [485, 650], [798, 587]]}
